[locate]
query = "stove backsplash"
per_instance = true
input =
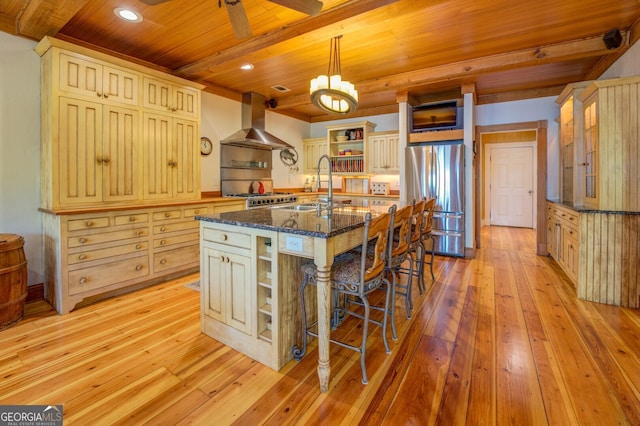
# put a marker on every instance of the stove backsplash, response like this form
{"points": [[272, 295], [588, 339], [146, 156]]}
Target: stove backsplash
{"points": [[242, 168]]}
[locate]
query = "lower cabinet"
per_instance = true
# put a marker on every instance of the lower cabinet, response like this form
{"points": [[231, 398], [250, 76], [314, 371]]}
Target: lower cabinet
{"points": [[88, 255], [249, 292], [562, 239]]}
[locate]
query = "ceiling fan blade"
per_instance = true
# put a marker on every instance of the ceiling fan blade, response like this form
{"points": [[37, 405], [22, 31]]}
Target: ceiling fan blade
{"points": [[239, 20], [309, 7], [153, 2]]}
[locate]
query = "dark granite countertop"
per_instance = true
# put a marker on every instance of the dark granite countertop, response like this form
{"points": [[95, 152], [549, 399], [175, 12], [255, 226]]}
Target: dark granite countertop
{"points": [[583, 209], [342, 219]]}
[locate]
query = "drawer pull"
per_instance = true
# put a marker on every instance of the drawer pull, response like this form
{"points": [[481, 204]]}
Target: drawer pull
{"points": [[163, 229], [89, 224], [163, 242], [139, 233], [82, 257], [82, 240], [197, 211], [82, 280], [138, 267], [167, 214], [224, 237], [132, 219], [163, 261], [138, 246]]}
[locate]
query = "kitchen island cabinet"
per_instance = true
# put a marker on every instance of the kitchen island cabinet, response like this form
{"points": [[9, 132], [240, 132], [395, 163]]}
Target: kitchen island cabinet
{"points": [[277, 241], [598, 250]]}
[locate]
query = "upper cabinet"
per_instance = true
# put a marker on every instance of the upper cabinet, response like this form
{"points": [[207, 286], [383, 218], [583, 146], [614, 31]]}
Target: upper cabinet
{"points": [[104, 143], [164, 96], [570, 132], [98, 81], [312, 150], [608, 172], [348, 147], [382, 153]]}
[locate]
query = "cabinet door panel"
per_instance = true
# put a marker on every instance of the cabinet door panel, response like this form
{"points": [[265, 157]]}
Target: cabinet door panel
{"points": [[80, 76], [186, 101], [157, 153], [186, 169], [120, 86], [120, 160], [157, 95], [80, 152], [239, 292], [213, 287]]}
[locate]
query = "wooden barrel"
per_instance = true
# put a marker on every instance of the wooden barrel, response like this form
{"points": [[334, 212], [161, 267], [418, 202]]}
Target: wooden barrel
{"points": [[13, 279]]}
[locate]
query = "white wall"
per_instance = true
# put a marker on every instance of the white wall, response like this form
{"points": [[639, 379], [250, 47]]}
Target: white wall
{"points": [[20, 148]]}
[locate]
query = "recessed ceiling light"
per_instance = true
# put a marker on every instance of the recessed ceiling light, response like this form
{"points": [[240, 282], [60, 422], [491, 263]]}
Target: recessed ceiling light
{"points": [[127, 14], [246, 67]]}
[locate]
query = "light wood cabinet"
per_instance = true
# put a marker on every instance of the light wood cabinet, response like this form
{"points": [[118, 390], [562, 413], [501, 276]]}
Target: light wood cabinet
{"points": [[571, 143], [227, 293], [170, 98], [382, 153], [95, 80], [611, 122], [250, 292], [103, 142], [97, 157], [312, 150], [171, 158], [144, 245], [563, 239]]}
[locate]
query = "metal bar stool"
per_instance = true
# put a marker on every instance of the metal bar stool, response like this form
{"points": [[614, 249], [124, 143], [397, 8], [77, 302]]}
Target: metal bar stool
{"points": [[414, 252], [426, 235], [354, 274], [399, 236]]}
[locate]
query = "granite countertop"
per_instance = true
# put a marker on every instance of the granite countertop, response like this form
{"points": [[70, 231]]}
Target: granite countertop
{"points": [[583, 209], [342, 219]]}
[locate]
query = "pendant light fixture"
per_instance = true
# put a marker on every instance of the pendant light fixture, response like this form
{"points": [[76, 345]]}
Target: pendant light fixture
{"points": [[329, 92]]}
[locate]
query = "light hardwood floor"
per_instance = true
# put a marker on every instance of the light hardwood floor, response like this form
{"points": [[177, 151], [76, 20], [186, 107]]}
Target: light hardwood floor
{"points": [[499, 339]]}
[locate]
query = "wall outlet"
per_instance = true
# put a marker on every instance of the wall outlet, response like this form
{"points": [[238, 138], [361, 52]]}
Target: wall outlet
{"points": [[293, 243]]}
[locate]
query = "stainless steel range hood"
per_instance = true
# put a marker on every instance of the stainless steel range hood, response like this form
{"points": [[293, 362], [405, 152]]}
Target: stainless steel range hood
{"points": [[253, 133]]}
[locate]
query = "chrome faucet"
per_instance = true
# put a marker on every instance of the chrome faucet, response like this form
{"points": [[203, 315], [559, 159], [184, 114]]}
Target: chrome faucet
{"points": [[329, 198]]}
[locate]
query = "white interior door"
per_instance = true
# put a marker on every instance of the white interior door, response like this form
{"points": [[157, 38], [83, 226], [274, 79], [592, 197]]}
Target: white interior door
{"points": [[511, 186]]}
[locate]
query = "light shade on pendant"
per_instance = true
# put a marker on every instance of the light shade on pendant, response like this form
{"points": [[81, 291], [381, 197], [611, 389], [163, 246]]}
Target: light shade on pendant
{"points": [[329, 92]]}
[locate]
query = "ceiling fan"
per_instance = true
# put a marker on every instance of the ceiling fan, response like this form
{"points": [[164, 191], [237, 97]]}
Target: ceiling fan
{"points": [[238, 16]]}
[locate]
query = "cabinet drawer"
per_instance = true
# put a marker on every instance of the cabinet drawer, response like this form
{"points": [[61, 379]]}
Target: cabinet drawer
{"points": [[173, 227], [176, 239], [131, 218], [95, 277], [106, 237], [89, 255], [88, 223], [228, 238], [167, 214], [183, 257], [191, 212]]}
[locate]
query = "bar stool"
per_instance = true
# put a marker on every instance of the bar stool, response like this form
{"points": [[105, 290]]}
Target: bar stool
{"points": [[426, 235], [414, 252], [354, 275], [399, 236]]}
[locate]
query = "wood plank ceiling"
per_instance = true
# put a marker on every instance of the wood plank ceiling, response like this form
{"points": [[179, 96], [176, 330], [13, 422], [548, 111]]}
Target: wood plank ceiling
{"points": [[422, 50]]}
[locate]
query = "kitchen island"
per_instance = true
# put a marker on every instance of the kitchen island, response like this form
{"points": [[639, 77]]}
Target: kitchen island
{"points": [[250, 275]]}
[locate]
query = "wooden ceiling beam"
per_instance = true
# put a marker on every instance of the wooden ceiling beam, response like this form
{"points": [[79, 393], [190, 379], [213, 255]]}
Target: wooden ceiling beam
{"points": [[40, 18], [605, 62], [334, 15], [575, 49]]}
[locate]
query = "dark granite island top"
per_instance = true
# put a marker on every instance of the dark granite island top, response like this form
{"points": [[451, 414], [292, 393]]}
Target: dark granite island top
{"points": [[342, 219]]}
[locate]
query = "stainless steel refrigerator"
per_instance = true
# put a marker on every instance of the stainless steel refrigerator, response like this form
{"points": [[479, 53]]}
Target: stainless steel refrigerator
{"points": [[437, 170]]}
